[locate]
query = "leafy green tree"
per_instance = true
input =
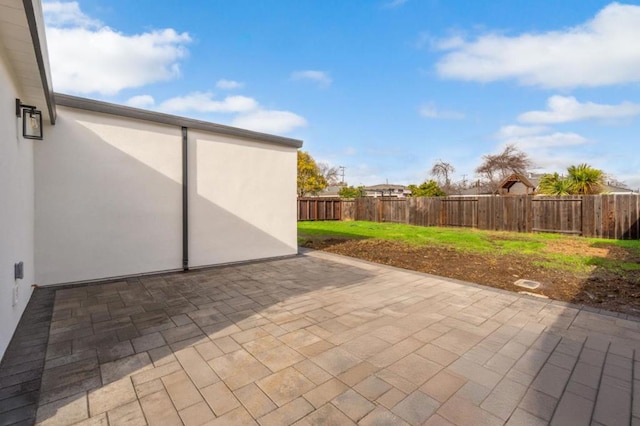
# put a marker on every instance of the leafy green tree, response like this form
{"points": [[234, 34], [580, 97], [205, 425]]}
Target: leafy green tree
{"points": [[554, 184], [310, 180], [426, 189], [351, 192], [586, 179]]}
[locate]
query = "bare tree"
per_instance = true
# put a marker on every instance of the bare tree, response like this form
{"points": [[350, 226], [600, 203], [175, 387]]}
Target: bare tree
{"points": [[496, 167], [442, 171], [331, 174]]}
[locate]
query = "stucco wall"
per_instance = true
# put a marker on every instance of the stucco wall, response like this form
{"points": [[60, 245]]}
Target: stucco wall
{"points": [[16, 207], [242, 200], [108, 198]]}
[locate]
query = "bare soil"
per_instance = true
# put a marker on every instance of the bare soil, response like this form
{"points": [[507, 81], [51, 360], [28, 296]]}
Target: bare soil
{"points": [[600, 288]]}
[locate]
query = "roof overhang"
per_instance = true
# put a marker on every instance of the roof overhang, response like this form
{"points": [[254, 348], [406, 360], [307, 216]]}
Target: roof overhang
{"points": [[22, 33], [514, 178], [173, 120]]}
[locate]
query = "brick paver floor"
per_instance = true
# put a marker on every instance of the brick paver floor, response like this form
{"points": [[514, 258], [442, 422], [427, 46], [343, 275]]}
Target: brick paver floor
{"points": [[322, 339]]}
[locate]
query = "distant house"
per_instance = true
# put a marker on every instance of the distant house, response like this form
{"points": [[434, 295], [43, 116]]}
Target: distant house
{"points": [[387, 190]]}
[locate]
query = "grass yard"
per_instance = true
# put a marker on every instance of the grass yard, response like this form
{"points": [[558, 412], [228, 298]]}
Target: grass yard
{"points": [[595, 272]]}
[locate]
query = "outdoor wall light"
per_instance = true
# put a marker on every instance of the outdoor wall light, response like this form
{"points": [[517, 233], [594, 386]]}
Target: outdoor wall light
{"points": [[31, 120]]}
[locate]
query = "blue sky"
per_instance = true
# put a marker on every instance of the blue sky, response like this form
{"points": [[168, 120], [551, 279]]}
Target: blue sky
{"points": [[384, 88]]}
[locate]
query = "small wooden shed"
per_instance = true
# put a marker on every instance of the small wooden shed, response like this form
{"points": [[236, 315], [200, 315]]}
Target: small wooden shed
{"points": [[516, 184]]}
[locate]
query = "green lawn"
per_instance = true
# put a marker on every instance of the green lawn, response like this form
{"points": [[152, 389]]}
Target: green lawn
{"points": [[538, 246]]}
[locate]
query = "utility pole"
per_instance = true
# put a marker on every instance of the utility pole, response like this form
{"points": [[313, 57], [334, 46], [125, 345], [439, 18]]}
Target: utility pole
{"points": [[342, 170]]}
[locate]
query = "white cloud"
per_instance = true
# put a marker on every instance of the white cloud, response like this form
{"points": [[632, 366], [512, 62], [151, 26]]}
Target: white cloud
{"points": [[204, 102], [246, 112], [269, 121], [229, 84], [320, 77], [350, 151], [431, 111], [88, 57], [141, 101], [513, 131], [550, 151], [551, 140], [599, 52], [557, 162], [59, 14], [365, 174], [632, 180], [563, 109]]}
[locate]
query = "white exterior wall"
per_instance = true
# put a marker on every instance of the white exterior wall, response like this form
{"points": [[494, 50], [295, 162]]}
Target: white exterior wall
{"points": [[108, 198], [16, 207], [242, 200]]}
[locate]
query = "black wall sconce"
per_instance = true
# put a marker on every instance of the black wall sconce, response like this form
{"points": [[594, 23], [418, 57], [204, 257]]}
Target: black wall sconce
{"points": [[31, 120]]}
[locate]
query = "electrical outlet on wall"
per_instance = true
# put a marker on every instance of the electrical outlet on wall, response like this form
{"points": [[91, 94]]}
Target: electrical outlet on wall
{"points": [[15, 296]]}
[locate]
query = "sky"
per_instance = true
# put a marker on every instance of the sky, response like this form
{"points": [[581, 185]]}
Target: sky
{"points": [[384, 88]]}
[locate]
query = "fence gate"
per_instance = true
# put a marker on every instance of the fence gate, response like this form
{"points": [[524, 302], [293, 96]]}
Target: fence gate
{"points": [[562, 214]]}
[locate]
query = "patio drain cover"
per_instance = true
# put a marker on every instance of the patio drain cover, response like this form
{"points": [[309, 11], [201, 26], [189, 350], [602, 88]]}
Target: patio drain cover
{"points": [[531, 285]]}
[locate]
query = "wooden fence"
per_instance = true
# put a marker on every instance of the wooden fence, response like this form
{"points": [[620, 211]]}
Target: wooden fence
{"points": [[612, 216], [314, 208]]}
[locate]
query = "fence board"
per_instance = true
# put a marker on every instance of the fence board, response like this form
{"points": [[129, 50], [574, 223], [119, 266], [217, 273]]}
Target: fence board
{"points": [[623, 217], [597, 217], [634, 219], [588, 224], [483, 212], [348, 210]]}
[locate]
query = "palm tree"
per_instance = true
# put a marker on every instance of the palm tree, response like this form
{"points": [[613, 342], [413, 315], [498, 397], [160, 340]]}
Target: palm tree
{"points": [[553, 184], [585, 179]]}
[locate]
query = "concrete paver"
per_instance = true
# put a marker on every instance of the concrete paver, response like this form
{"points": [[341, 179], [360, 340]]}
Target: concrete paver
{"points": [[315, 339]]}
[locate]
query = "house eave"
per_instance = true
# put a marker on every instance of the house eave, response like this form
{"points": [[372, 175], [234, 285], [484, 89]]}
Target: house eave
{"points": [[174, 120], [38, 38]]}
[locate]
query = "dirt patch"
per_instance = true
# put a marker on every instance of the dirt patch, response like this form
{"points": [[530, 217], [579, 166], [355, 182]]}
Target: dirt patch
{"points": [[570, 246], [601, 289]]}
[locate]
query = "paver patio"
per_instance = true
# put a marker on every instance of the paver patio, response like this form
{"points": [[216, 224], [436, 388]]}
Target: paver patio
{"points": [[316, 339]]}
